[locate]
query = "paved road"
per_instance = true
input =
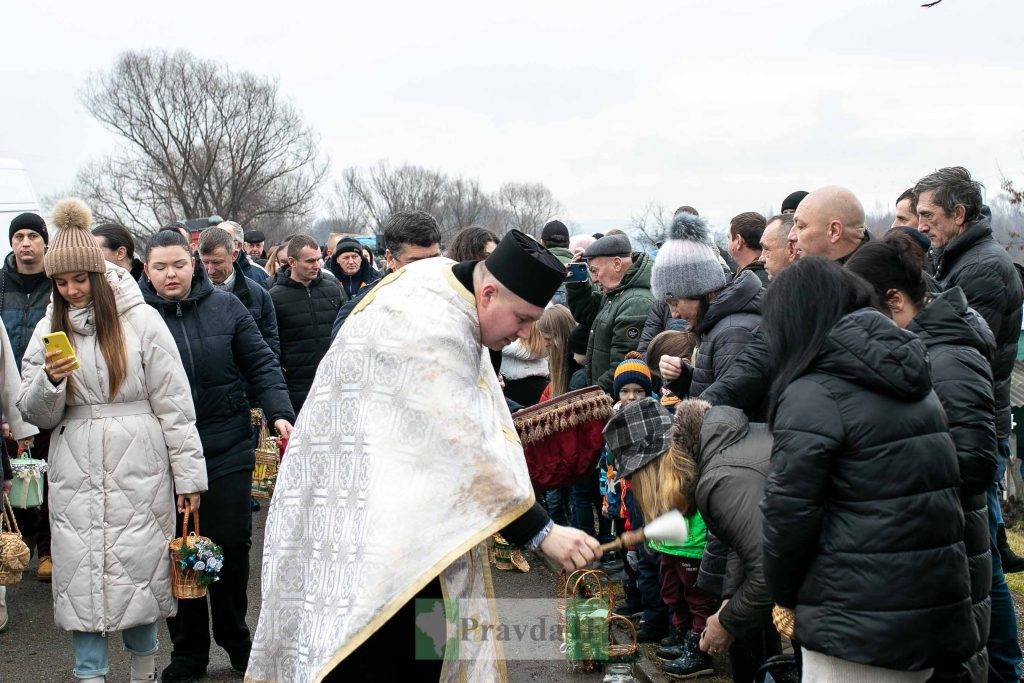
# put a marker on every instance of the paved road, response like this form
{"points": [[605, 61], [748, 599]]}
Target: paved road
{"points": [[34, 650]]}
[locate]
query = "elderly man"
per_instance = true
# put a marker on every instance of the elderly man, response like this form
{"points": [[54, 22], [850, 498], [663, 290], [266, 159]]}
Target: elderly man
{"points": [[403, 463], [254, 242], [953, 216], [615, 305], [776, 252]]}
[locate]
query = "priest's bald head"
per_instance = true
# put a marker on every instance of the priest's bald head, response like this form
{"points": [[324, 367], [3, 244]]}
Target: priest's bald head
{"points": [[512, 287], [829, 222]]}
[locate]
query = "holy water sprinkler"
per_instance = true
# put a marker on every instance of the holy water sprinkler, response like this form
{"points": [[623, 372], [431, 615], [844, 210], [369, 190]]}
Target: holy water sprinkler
{"points": [[670, 527]]}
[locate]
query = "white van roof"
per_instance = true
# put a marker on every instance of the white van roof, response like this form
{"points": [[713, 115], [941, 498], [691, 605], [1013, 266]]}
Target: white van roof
{"points": [[16, 196]]}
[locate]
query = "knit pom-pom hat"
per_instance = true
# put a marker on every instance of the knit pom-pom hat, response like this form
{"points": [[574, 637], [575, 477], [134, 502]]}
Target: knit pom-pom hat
{"points": [[73, 250], [631, 371], [687, 265]]}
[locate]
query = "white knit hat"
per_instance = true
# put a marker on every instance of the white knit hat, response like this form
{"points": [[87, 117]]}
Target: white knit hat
{"points": [[687, 265]]}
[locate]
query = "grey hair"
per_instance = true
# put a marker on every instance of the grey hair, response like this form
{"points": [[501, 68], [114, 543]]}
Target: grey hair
{"points": [[787, 220], [951, 186], [214, 238]]}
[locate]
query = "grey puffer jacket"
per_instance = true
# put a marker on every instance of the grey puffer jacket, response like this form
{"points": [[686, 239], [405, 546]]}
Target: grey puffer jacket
{"points": [[732, 470], [115, 466], [726, 329]]}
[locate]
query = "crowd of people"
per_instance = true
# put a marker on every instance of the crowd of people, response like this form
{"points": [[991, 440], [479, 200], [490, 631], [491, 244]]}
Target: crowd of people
{"points": [[828, 409]]}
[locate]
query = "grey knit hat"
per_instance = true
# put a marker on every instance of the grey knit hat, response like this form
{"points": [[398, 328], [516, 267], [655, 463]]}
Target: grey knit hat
{"points": [[687, 265]]}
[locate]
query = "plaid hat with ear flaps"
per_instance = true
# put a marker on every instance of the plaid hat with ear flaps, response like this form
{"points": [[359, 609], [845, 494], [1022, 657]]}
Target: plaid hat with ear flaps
{"points": [[73, 250], [637, 434]]}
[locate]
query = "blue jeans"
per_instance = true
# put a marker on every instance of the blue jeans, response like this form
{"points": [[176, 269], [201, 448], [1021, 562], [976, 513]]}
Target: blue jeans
{"points": [[1003, 649], [556, 502], [91, 648], [586, 505]]}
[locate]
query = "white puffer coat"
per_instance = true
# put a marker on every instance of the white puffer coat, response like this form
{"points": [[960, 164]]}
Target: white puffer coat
{"points": [[115, 466]]}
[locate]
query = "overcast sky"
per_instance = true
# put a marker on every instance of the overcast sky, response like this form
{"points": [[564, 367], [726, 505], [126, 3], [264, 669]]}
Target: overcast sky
{"points": [[727, 106]]}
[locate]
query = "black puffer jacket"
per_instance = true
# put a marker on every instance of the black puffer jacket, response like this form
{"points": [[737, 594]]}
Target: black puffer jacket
{"points": [[304, 319], [726, 329], [980, 266], [959, 346], [257, 300], [658, 320], [23, 302], [223, 352], [732, 470], [863, 531]]}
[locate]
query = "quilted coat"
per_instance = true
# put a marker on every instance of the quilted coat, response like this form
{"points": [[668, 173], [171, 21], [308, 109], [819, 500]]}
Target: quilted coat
{"points": [[115, 466]]}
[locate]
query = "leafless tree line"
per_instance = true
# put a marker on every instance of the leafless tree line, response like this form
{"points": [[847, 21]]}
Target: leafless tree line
{"points": [[363, 198], [198, 139]]}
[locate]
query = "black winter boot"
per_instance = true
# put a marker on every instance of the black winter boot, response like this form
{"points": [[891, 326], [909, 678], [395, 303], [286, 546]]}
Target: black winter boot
{"points": [[672, 645], [1011, 562], [648, 633], [692, 662]]}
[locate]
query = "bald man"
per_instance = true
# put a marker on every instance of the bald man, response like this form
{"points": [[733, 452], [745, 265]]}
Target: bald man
{"points": [[829, 222]]}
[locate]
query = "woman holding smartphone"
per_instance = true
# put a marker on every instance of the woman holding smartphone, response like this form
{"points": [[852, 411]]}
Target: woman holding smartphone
{"points": [[125, 442]]}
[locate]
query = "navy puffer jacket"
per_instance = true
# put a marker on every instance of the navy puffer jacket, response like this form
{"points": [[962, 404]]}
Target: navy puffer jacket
{"points": [[223, 352], [726, 329]]}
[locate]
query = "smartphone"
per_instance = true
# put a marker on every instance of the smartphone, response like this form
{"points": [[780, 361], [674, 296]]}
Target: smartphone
{"points": [[577, 272], [58, 341]]}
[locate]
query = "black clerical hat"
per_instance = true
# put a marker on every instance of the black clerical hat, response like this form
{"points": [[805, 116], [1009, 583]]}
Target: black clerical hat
{"points": [[527, 269]]}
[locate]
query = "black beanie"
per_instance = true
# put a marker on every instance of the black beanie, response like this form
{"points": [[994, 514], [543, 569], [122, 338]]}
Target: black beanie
{"points": [[29, 221], [578, 339]]}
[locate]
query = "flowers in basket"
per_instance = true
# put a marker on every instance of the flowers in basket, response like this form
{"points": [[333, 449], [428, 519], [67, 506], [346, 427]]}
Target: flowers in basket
{"points": [[204, 557]]}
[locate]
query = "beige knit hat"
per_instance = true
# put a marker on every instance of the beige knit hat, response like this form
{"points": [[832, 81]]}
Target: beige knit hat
{"points": [[73, 249]]}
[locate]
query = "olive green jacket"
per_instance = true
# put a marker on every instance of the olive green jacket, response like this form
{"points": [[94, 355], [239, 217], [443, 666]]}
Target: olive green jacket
{"points": [[616, 319]]}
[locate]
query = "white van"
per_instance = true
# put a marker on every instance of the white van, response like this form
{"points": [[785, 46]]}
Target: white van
{"points": [[16, 197]]}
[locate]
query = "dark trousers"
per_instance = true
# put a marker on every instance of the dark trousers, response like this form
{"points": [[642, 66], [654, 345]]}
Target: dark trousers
{"points": [[688, 605], [750, 651], [526, 391], [389, 654], [34, 522], [224, 517], [556, 502], [1004, 652], [586, 507]]}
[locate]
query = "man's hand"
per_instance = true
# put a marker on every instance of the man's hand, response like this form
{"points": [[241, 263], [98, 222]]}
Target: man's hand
{"points": [[715, 638], [670, 367], [571, 548], [284, 428], [193, 501]]}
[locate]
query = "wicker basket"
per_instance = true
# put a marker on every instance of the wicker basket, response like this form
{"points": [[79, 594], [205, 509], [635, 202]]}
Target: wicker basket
{"points": [[14, 554], [784, 620], [267, 457], [184, 584], [625, 652]]}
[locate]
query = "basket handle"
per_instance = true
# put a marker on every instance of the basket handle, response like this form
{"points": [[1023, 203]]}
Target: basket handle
{"points": [[184, 520], [7, 519]]}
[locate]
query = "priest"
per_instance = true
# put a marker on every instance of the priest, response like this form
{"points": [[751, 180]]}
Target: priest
{"points": [[403, 462]]}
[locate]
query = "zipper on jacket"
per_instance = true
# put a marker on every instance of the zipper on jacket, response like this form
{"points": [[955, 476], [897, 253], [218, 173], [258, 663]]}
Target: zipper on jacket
{"points": [[188, 348]]}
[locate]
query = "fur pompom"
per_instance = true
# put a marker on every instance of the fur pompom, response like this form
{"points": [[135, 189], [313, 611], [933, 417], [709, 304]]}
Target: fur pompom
{"points": [[686, 226], [72, 214], [688, 422]]}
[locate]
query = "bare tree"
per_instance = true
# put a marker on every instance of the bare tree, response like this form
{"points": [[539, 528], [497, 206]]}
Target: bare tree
{"points": [[528, 206], [651, 224], [464, 204], [346, 211], [382, 190], [199, 140]]}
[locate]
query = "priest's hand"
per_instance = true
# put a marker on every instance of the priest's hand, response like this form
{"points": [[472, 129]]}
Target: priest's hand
{"points": [[571, 548]]}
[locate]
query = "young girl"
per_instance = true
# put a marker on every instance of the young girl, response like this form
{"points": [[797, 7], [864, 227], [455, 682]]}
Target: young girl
{"points": [[125, 442], [524, 366]]}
